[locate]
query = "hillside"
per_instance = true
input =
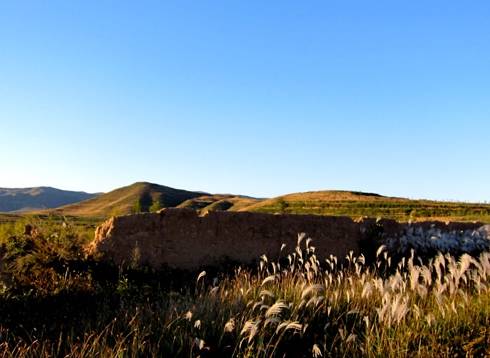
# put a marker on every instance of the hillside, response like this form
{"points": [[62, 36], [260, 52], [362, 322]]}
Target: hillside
{"points": [[219, 202], [147, 197], [138, 197], [17, 200], [356, 204]]}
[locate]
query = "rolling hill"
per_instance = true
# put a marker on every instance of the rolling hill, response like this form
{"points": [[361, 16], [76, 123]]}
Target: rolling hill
{"points": [[148, 197], [221, 202], [138, 197], [18, 200], [357, 204]]}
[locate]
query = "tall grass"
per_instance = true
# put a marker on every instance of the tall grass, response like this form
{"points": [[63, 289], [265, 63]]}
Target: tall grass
{"points": [[298, 306]]}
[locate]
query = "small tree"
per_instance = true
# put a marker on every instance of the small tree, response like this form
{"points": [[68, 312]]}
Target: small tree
{"points": [[155, 206], [137, 207], [283, 206]]}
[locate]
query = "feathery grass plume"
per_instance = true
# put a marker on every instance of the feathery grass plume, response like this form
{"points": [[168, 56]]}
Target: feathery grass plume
{"points": [[316, 352], [268, 279], [311, 289], [201, 276], [249, 330], [289, 326], [301, 237], [199, 343], [188, 316], [276, 309], [267, 293], [367, 290], [380, 250], [464, 263], [230, 326]]}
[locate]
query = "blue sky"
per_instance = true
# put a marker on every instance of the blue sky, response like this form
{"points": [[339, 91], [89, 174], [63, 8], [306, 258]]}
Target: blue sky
{"points": [[254, 97]]}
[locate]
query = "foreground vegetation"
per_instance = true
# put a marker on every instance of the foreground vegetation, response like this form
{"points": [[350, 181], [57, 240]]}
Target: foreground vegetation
{"points": [[55, 301]]}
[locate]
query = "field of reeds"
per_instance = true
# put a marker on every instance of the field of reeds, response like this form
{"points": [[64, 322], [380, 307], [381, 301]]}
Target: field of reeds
{"points": [[55, 301]]}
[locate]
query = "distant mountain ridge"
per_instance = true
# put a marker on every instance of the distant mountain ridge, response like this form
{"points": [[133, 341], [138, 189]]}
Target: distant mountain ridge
{"points": [[37, 198]]}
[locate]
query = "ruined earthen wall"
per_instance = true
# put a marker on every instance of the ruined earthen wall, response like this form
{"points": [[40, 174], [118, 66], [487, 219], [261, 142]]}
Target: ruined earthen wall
{"points": [[180, 238]]}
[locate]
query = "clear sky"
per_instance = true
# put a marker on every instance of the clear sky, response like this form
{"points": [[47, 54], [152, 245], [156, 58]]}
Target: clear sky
{"points": [[253, 97]]}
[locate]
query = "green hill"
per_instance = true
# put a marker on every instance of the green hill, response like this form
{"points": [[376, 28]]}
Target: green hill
{"points": [[356, 204], [138, 197]]}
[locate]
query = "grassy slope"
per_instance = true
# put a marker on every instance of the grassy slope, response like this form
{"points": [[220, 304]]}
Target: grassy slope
{"points": [[355, 204], [125, 200], [218, 202]]}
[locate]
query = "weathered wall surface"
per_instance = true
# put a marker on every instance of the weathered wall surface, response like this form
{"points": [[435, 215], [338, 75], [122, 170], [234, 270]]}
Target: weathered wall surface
{"points": [[180, 238]]}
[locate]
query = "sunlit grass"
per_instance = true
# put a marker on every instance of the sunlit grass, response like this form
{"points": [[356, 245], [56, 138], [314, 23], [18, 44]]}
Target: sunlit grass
{"points": [[299, 306]]}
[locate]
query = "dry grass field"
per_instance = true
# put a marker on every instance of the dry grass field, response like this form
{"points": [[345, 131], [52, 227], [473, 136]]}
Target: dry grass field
{"points": [[56, 301]]}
